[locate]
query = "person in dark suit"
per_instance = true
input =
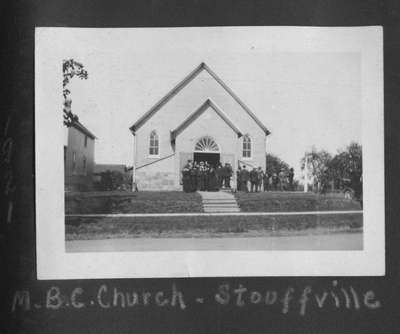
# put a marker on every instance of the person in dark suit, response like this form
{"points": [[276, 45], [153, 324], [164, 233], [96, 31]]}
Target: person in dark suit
{"points": [[206, 176], [212, 179], [219, 174], [198, 176], [193, 177], [253, 180], [290, 178], [186, 178], [266, 178], [227, 177], [275, 181], [244, 177], [238, 179], [282, 179], [202, 176]]}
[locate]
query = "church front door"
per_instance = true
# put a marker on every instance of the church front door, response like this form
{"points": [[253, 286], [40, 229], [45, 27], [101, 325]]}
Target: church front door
{"points": [[212, 158]]}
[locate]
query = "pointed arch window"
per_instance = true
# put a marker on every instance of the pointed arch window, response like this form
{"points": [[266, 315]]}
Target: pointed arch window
{"points": [[154, 144], [246, 147]]}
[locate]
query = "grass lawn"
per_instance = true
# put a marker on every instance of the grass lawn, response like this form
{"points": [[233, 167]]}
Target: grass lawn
{"points": [[129, 202], [293, 201], [203, 226]]}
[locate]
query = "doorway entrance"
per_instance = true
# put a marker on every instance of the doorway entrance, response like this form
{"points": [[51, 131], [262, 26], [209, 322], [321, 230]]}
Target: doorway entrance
{"points": [[212, 158], [207, 150]]}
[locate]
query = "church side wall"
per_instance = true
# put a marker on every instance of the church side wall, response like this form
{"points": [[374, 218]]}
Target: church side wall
{"points": [[158, 172], [143, 141], [258, 149]]}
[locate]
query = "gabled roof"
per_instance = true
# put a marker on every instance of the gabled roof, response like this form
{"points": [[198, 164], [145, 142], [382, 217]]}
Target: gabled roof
{"points": [[181, 85], [79, 126], [208, 103]]}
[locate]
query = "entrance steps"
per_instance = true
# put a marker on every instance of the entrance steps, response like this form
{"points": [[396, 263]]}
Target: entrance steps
{"points": [[226, 190], [222, 201]]}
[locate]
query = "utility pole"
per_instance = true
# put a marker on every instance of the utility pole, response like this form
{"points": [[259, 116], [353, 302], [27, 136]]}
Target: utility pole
{"points": [[306, 175], [134, 185]]}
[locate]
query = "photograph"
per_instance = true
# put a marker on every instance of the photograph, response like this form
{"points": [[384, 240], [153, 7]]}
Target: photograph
{"points": [[210, 140]]}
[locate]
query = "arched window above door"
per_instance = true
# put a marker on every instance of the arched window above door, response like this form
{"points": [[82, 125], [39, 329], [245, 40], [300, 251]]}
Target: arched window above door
{"points": [[206, 144]]}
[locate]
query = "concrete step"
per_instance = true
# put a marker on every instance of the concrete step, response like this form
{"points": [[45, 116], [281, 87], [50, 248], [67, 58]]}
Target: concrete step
{"points": [[218, 208], [222, 210], [220, 205], [222, 201], [225, 196], [219, 202]]}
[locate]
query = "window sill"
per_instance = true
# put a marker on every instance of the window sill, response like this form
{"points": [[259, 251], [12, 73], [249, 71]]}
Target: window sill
{"points": [[153, 156]]}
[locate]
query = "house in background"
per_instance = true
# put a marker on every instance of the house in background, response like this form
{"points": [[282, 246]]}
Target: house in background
{"points": [[200, 119], [78, 157]]}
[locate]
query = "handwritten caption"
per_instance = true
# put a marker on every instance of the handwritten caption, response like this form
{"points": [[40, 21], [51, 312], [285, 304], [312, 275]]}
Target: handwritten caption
{"points": [[289, 300], [6, 154]]}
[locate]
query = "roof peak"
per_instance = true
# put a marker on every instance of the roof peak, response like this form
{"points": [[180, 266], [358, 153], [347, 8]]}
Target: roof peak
{"points": [[182, 84], [78, 125], [202, 108]]}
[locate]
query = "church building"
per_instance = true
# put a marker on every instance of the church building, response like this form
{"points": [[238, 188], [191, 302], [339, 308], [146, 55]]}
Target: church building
{"points": [[200, 119]]}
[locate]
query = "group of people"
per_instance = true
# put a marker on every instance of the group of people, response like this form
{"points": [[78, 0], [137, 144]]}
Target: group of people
{"points": [[260, 180], [205, 177]]}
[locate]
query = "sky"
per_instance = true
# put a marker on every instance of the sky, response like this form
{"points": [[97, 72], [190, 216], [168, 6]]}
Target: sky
{"points": [[305, 88]]}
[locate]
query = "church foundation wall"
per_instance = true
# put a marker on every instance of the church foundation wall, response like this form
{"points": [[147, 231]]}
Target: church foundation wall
{"points": [[156, 181], [159, 176]]}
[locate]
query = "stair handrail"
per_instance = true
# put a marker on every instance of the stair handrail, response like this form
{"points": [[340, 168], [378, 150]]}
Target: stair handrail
{"points": [[246, 163], [155, 161]]}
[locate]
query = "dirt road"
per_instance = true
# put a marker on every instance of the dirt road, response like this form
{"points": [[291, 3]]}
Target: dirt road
{"points": [[334, 241]]}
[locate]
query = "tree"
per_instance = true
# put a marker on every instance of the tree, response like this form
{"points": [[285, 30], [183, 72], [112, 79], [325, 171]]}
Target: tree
{"points": [[337, 169], [71, 68], [275, 164], [346, 167], [317, 164], [354, 162]]}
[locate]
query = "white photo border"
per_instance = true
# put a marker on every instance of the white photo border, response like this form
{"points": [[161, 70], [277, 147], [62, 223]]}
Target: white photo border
{"points": [[53, 262]]}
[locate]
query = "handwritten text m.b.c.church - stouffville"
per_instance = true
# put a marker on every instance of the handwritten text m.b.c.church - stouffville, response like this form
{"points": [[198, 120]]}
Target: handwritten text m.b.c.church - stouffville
{"points": [[289, 300]]}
